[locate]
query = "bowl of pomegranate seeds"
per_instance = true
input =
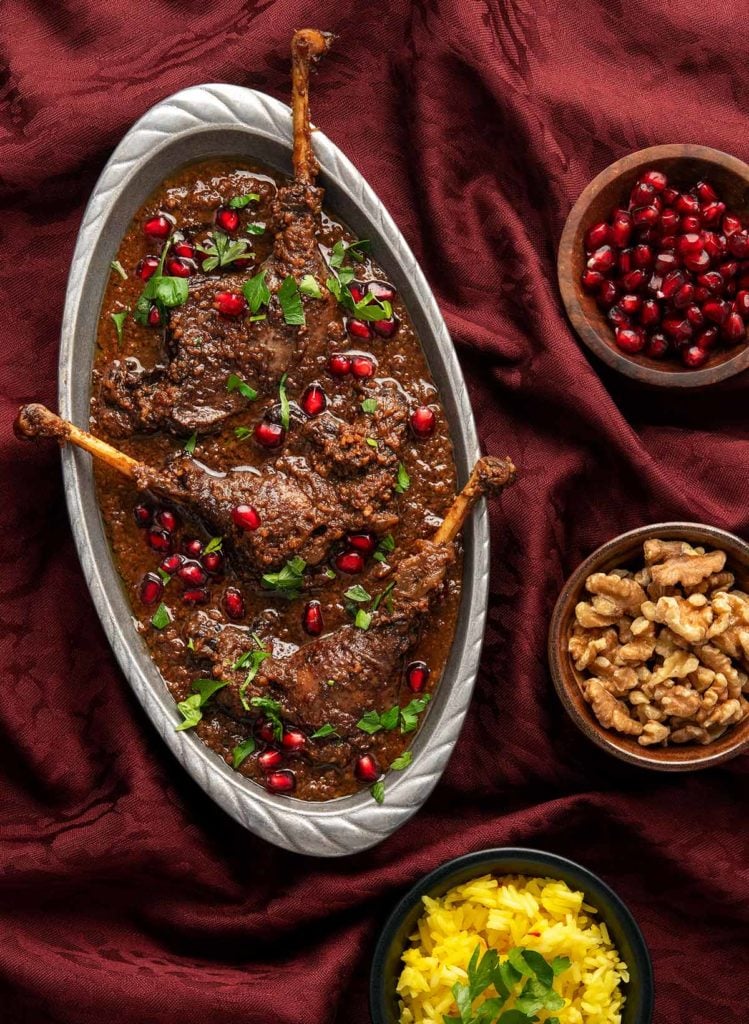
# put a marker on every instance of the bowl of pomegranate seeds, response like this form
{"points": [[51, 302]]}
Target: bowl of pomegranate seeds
{"points": [[654, 266]]}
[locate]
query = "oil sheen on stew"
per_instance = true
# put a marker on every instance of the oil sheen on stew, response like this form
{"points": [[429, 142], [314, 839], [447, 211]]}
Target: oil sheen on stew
{"points": [[335, 430]]}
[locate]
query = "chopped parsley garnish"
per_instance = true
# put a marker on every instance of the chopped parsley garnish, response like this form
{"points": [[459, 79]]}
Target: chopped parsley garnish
{"points": [[309, 286], [239, 202], [221, 251], [243, 751], [355, 250], [357, 593], [251, 660], [256, 292], [371, 441], [242, 433], [190, 644], [403, 480], [235, 383], [272, 711], [323, 731], [255, 229], [161, 617], [369, 405], [288, 581], [362, 619], [118, 319], [375, 721], [291, 302], [402, 762], [367, 308], [190, 444], [385, 547], [191, 707], [166, 579], [385, 595], [378, 792], [164, 292], [284, 399], [118, 268], [214, 544], [409, 715]]}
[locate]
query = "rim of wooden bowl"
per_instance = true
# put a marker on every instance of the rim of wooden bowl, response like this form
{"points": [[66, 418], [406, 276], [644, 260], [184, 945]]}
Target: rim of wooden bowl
{"points": [[568, 681], [582, 312]]}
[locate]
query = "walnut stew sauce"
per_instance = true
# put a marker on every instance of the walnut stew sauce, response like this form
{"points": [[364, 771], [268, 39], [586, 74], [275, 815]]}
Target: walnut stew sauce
{"points": [[334, 425]]}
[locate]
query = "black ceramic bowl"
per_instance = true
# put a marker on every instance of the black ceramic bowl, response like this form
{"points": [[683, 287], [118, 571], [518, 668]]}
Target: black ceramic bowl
{"points": [[625, 934]]}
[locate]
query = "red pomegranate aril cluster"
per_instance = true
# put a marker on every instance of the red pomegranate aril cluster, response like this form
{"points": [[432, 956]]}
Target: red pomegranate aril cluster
{"points": [[230, 304], [671, 270]]}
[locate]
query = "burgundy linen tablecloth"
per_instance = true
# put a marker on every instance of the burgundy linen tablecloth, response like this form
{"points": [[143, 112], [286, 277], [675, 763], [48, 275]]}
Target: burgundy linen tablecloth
{"points": [[125, 895]]}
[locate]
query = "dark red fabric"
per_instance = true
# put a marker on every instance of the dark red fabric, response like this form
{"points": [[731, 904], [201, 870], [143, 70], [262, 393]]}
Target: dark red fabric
{"points": [[125, 895]]}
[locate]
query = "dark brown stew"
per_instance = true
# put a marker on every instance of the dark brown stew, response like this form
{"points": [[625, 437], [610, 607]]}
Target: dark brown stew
{"points": [[344, 482]]}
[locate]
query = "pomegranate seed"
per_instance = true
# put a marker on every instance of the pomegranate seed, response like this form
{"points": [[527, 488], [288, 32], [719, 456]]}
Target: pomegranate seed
{"points": [[669, 222], [697, 261], [592, 280], [642, 194], [192, 574], [158, 227], [689, 242], [608, 293], [192, 547], [314, 400], [716, 310], [147, 267], [386, 328], [650, 313], [382, 290], [423, 420], [364, 542], [685, 296], [690, 223], [154, 316], [670, 195], [417, 676], [634, 280], [227, 219], [672, 282], [602, 260], [350, 562], [166, 519], [312, 619], [142, 515], [269, 435], [708, 339], [731, 225], [700, 294], [362, 367], [159, 540], [687, 204], [620, 232], [281, 782], [339, 365], [738, 244], [359, 329], [657, 346], [198, 595], [230, 304], [712, 213], [668, 243], [357, 290], [618, 317], [666, 261], [596, 236], [366, 768], [179, 268], [269, 759], [654, 284], [171, 563], [625, 262], [741, 303], [234, 603], [265, 731], [655, 178], [630, 339], [293, 740], [245, 517], [695, 316], [712, 280], [730, 289], [645, 216], [694, 356], [151, 588], [184, 249], [712, 244], [706, 192], [733, 328], [728, 269], [630, 304], [213, 563], [677, 327], [642, 256]]}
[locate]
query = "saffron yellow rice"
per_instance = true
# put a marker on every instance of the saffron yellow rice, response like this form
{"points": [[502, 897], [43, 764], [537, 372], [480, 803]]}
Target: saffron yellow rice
{"points": [[538, 913]]}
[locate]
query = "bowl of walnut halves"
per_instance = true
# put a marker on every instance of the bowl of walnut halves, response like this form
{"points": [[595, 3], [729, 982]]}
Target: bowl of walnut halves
{"points": [[649, 646]]}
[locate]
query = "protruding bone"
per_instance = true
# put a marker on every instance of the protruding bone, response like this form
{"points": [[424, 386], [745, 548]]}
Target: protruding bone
{"points": [[307, 46], [37, 421], [489, 476]]}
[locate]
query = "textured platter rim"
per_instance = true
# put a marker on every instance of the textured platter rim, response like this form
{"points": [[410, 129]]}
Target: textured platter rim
{"points": [[347, 824]]}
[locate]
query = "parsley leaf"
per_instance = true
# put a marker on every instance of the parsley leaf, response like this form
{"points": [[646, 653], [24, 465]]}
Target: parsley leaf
{"points": [[118, 319], [403, 481], [239, 202], [323, 731], [355, 250], [243, 751], [369, 405], [271, 709], [288, 581], [214, 544], [363, 619], [385, 547], [371, 441], [166, 579], [165, 292], [255, 229], [118, 268], [256, 291], [235, 383], [402, 762], [161, 617], [378, 792], [357, 593], [191, 707], [385, 595], [291, 302], [309, 286], [284, 398], [190, 444], [242, 433], [369, 723], [409, 715], [221, 251]]}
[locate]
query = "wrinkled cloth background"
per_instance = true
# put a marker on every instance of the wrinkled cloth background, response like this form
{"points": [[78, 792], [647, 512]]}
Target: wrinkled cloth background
{"points": [[125, 895]]}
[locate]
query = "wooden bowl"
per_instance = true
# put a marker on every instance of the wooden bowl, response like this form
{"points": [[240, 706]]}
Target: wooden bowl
{"points": [[625, 551], [684, 165]]}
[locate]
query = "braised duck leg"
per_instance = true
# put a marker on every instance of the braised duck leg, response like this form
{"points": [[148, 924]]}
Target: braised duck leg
{"points": [[266, 517], [203, 345]]}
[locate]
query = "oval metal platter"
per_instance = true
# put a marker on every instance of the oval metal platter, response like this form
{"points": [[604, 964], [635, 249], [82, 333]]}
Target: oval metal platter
{"points": [[227, 121]]}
